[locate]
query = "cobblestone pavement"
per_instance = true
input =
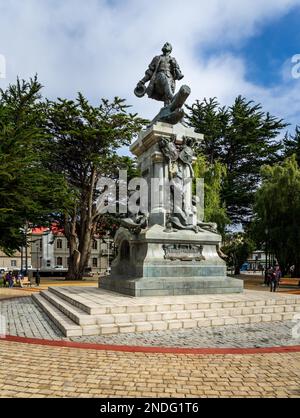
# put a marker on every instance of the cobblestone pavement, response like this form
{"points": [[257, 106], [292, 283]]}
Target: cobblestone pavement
{"points": [[25, 319], [43, 371], [6, 293]]}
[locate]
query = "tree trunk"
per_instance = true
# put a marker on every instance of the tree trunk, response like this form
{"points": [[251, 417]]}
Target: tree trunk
{"points": [[74, 272], [80, 233], [237, 270]]}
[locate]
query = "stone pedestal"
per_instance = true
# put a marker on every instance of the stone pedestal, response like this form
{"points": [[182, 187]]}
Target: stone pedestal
{"points": [[159, 260], [159, 263]]}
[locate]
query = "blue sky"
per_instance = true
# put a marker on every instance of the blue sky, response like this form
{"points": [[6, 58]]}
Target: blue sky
{"points": [[103, 47], [276, 43], [266, 51]]}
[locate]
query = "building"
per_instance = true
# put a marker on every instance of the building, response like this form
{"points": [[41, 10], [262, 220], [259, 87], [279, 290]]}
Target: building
{"points": [[50, 251], [258, 260], [15, 262]]}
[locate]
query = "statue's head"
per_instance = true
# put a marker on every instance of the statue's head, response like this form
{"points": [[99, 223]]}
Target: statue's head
{"points": [[167, 48]]}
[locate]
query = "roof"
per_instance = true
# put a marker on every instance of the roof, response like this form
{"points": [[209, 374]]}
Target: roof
{"points": [[54, 228]]}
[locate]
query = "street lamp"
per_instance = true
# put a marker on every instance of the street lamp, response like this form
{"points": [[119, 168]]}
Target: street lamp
{"points": [[38, 266], [24, 243], [108, 252]]}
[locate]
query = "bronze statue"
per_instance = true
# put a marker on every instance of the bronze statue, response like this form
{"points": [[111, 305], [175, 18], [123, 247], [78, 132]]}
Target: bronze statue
{"points": [[162, 74]]}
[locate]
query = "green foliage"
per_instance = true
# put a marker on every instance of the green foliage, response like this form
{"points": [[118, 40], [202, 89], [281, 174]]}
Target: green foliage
{"points": [[278, 212], [292, 144], [82, 144], [213, 175], [243, 138], [28, 191], [238, 247]]}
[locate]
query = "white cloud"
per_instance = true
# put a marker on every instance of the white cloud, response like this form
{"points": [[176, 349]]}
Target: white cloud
{"points": [[102, 48]]}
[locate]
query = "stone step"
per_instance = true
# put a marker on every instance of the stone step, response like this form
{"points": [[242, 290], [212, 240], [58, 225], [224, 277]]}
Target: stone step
{"points": [[76, 300], [91, 307], [193, 314], [65, 324], [75, 314], [117, 328]]}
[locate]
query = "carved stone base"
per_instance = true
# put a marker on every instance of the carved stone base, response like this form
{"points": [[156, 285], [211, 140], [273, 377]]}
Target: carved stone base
{"points": [[160, 263]]}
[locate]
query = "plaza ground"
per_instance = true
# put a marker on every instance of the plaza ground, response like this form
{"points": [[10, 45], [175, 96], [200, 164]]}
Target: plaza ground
{"points": [[31, 368]]}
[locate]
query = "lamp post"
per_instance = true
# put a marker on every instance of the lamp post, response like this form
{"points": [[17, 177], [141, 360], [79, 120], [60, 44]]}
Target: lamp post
{"points": [[267, 247], [107, 241], [38, 266]]}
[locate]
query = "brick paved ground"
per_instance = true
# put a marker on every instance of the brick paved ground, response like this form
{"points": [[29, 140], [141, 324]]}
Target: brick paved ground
{"points": [[26, 319], [44, 371], [41, 371]]}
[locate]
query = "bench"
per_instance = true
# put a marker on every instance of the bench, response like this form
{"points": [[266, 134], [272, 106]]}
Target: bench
{"points": [[25, 282]]}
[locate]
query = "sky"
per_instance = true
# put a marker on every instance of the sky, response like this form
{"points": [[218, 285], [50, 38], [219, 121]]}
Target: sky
{"points": [[102, 48]]}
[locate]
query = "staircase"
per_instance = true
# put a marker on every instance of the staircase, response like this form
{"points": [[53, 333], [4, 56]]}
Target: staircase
{"points": [[78, 311]]}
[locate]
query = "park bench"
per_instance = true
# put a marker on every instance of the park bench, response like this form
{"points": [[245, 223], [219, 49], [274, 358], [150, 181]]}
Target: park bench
{"points": [[25, 282]]}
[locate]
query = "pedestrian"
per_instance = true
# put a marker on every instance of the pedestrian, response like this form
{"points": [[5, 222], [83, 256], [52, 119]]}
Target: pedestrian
{"points": [[278, 274], [275, 278], [20, 279], [268, 276], [10, 279], [37, 278]]}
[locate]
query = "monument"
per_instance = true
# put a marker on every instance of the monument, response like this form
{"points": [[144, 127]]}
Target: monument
{"points": [[167, 249]]}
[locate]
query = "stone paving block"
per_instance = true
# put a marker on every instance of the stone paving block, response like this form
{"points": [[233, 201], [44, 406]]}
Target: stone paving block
{"points": [[159, 325], [124, 328], [211, 313], [197, 314], [122, 318], [154, 316], [183, 315], [105, 319], [138, 317], [169, 316], [175, 324], [276, 317], [144, 326], [189, 323]]}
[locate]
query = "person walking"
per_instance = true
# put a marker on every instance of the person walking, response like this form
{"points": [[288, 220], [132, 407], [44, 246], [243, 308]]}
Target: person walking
{"points": [[37, 278], [10, 279], [278, 275], [275, 278]]}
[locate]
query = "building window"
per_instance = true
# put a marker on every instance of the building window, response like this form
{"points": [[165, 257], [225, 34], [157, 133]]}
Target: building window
{"points": [[59, 261], [95, 245], [59, 244], [13, 263], [48, 263], [95, 262]]}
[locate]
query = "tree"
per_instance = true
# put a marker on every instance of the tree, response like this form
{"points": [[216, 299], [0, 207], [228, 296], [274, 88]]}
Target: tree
{"points": [[243, 138], [278, 212], [28, 191], [237, 246], [82, 145], [213, 175], [292, 144]]}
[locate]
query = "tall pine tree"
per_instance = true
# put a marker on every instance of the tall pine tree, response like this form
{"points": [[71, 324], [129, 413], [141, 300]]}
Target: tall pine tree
{"points": [[28, 191], [83, 140], [243, 138]]}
